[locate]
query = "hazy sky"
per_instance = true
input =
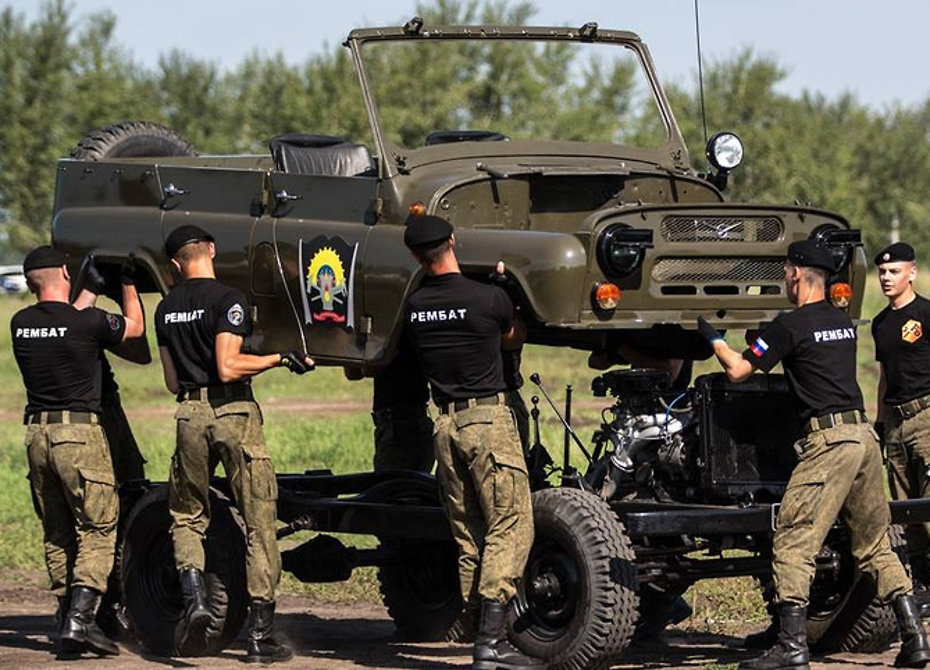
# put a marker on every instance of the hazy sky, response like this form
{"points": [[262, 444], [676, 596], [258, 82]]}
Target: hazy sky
{"points": [[879, 50]]}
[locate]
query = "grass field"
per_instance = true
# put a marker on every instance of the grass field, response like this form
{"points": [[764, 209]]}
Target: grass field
{"points": [[340, 441]]}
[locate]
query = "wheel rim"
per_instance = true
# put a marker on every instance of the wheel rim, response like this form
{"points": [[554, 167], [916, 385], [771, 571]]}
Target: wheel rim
{"points": [[830, 591], [547, 598]]}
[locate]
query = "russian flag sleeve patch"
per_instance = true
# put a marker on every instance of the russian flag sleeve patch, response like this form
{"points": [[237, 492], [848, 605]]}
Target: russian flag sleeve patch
{"points": [[759, 347]]}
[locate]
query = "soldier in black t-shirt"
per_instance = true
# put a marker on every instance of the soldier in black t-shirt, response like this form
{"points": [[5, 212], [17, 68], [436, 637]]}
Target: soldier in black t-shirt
{"points": [[128, 462], [902, 348], [200, 327], [59, 350], [457, 327], [839, 471]]}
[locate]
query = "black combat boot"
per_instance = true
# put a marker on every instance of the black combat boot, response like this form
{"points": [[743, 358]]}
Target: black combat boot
{"points": [[262, 646], [492, 650], [196, 615], [79, 632], [111, 616], [465, 627], [764, 638], [915, 650], [790, 649]]}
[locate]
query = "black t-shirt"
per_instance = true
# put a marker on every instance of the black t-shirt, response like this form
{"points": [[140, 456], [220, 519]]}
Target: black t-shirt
{"points": [[816, 345], [188, 320], [902, 345], [455, 326], [402, 382], [59, 350]]}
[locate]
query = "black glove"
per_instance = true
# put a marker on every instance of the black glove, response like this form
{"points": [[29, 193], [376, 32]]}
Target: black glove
{"points": [[708, 331], [93, 280], [127, 272], [295, 362]]}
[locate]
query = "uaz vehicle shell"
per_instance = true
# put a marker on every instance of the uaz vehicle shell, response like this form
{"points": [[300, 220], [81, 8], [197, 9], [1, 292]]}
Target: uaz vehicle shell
{"points": [[312, 231]]}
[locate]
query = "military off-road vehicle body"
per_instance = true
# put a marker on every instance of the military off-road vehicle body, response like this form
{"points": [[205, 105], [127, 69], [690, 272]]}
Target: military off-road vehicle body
{"points": [[600, 234], [312, 231]]}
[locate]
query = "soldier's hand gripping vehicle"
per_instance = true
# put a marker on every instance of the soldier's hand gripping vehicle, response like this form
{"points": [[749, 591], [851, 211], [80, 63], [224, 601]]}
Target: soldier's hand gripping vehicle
{"points": [[601, 235]]}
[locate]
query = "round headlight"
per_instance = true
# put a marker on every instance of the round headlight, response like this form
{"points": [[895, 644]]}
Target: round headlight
{"points": [[725, 151], [620, 251], [840, 252]]}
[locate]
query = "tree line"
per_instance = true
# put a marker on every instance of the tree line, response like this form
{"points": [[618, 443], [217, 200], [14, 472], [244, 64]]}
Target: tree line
{"points": [[61, 78]]}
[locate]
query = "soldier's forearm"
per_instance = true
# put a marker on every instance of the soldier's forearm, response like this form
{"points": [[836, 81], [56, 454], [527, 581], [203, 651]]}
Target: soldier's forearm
{"points": [[242, 366]]}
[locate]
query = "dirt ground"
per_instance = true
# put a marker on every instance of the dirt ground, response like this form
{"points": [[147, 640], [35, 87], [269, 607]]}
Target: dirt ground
{"points": [[342, 638]]}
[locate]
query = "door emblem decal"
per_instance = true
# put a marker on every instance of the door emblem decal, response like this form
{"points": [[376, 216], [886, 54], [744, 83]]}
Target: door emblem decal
{"points": [[327, 281]]}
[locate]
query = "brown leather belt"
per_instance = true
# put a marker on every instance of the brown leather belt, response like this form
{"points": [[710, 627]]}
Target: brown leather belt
{"points": [[462, 405], [217, 394], [853, 416], [60, 416], [911, 408]]}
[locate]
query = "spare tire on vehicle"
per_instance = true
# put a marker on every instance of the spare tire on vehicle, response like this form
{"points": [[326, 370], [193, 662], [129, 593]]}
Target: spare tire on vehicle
{"points": [[132, 139], [151, 588]]}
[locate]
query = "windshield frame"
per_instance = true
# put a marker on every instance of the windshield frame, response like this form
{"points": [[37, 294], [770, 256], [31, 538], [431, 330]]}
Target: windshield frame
{"points": [[673, 155]]}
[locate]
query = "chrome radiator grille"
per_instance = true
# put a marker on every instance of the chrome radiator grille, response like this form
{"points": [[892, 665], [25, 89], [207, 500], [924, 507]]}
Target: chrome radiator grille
{"points": [[721, 229], [706, 270]]}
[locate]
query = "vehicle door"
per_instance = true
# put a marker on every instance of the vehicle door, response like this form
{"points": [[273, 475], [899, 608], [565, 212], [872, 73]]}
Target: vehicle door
{"points": [[224, 202], [317, 227]]}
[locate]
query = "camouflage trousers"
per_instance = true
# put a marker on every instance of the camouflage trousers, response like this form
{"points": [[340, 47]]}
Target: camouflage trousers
{"points": [[230, 433], [839, 474], [74, 492], [403, 438], [907, 445], [485, 492]]}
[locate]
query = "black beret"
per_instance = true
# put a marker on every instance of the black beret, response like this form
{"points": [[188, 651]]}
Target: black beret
{"points": [[44, 257], [809, 254], [899, 251], [426, 231], [183, 235]]}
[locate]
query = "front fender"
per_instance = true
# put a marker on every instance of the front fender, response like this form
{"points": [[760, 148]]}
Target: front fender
{"points": [[550, 268]]}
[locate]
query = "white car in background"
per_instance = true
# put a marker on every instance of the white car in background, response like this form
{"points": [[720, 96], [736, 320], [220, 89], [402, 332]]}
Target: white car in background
{"points": [[12, 279]]}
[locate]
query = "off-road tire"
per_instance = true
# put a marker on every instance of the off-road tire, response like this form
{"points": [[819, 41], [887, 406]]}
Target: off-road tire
{"points": [[152, 591], [420, 582], [576, 606], [131, 139], [859, 623], [866, 625]]}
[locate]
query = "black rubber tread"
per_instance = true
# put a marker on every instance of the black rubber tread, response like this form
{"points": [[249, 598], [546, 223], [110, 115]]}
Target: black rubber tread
{"points": [[861, 623], [604, 618], [876, 628], [420, 586], [131, 139], [151, 591], [421, 590]]}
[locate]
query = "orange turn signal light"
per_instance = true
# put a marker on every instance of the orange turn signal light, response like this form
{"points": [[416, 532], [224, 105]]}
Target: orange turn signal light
{"points": [[606, 295], [417, 209], [841, 294]]}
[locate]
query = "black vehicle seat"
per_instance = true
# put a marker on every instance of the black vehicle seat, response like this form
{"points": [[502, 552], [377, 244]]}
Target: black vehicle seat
{"points": [[296, 153]]}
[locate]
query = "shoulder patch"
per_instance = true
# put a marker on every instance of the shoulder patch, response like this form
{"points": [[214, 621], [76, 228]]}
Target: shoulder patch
{"points": [[113, 322], [912, 331], [236, 314], [759, 347]]}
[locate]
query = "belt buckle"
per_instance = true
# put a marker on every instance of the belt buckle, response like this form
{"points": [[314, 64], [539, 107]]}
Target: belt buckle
{"points": [[773, 518]]}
